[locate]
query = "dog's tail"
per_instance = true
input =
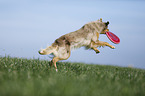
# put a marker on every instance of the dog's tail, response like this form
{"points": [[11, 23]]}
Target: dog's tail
{"points": [[48, 50]]}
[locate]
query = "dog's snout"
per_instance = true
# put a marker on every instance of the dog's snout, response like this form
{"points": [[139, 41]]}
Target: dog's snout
{"points": [[107, 23]]}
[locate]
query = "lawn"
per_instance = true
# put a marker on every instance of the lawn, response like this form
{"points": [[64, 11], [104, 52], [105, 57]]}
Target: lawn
{"points": [[34, 77]]}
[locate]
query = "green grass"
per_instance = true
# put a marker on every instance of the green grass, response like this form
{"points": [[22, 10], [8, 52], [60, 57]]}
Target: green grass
{"points": [[23, 77]]}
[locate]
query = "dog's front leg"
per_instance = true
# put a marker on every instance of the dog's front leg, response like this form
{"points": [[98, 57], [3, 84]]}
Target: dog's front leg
{"points": [[94, 47], [101, 43], [97, 36]]}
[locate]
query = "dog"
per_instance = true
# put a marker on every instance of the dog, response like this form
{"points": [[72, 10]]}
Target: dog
{"points": [[87, 36]]}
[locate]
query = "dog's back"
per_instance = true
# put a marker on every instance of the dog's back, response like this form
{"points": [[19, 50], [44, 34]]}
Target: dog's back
{"points": [[81, 37]]}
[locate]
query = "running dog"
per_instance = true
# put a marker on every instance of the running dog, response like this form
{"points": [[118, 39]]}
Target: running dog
{"points": [[87, 36]]}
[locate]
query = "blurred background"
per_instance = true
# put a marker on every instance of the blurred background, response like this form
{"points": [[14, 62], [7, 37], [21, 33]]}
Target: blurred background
{"points": [[28, 25]]}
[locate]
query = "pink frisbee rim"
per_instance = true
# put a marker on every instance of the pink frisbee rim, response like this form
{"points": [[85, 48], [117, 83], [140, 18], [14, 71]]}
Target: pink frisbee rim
{"points": [[115, 39]]}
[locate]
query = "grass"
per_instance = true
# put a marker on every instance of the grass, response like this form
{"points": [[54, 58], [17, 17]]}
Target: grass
{"points": [[23, 77]]}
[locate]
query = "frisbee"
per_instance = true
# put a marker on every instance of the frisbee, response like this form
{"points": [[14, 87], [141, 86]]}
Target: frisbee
{"points": [[113, 37]]}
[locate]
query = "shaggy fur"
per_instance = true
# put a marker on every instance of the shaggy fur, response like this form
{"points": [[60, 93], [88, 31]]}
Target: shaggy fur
{"points": [[86, 36]]}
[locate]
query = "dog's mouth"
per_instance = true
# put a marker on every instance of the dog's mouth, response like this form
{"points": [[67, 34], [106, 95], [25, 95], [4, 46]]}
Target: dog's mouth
{"points": [[104, 32]]}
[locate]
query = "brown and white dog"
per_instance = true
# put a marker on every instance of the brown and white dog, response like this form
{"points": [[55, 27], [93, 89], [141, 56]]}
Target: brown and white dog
{"points": [[86, 36]]}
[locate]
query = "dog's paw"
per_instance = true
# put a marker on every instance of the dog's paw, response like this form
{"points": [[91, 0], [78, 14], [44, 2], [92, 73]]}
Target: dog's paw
{"points": [[97, 52], [113, 47]]}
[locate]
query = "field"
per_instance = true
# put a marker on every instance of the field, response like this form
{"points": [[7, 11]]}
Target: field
{"points": [[34, 77]]}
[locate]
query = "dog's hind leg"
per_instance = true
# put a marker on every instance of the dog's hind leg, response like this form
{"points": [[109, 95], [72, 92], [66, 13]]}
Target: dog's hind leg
{"points": [[56, 59]]}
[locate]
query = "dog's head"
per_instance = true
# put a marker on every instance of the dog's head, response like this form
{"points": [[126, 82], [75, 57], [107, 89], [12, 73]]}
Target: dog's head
{"points": [[103, 26], [99, 26], [105, 29]]}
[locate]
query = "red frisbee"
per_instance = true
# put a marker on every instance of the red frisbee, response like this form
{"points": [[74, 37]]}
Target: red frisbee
{"points": [[113, 37]]}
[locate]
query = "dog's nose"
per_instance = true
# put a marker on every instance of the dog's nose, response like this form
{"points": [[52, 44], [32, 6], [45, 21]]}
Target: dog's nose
{"points": [[107, 23]]}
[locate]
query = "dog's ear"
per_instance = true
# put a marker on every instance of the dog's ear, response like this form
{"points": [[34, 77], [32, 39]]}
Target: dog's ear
{"points": [[100, 19], [107, 23]]}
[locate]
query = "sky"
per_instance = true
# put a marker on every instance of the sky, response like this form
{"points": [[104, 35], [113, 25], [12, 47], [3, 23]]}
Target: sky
{"points": [[28, 25]]}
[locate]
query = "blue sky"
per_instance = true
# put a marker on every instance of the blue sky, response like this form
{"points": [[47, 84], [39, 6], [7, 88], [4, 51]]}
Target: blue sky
{"points": [[28, 25]]}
